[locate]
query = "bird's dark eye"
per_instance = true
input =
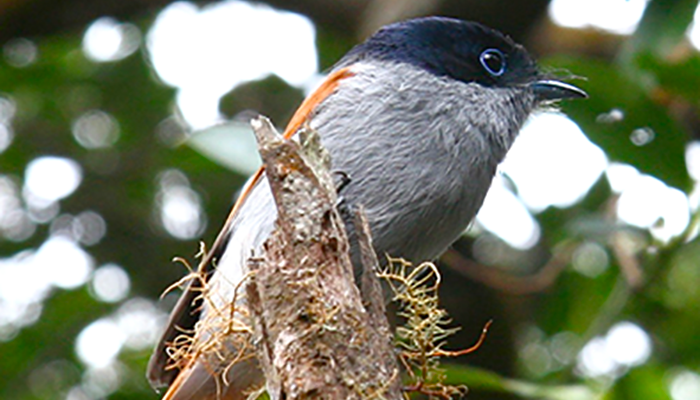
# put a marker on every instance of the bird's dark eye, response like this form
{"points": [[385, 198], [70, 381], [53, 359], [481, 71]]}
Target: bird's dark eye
{"points": [[493, 61]]}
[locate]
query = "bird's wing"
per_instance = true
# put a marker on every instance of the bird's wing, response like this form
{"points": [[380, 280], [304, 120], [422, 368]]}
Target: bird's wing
{"points": [[186, 312]]}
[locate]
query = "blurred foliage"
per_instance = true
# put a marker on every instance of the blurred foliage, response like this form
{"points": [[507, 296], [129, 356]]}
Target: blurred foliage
{"points": [[653, 79], [610, 88]]}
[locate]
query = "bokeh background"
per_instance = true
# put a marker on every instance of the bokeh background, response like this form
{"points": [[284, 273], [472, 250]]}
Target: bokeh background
{"points": [[123, 141]]}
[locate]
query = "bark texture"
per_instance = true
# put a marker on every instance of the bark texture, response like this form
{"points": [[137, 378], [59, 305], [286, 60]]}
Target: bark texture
{"points": [[315, 337]]}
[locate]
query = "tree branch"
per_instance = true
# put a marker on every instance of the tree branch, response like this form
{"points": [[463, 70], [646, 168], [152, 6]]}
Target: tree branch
{"points": [[315, 337]]}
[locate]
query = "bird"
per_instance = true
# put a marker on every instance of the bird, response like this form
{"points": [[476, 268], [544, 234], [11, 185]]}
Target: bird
{"points": [[417, 117]]}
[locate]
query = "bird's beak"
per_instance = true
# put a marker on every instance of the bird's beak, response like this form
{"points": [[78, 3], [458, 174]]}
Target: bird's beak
{"points": [[550, 90]]}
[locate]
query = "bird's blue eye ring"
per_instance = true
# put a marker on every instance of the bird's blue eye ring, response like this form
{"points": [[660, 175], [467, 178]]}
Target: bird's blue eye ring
{"points": [[493, 61]]}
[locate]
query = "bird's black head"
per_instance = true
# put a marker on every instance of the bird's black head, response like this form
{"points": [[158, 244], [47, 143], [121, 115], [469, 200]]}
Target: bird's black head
{"points": [[466, 51], [461, 50]]}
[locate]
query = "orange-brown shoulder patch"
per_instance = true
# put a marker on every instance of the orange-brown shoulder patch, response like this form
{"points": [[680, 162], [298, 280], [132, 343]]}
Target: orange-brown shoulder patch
{"points": [[307, 107]]}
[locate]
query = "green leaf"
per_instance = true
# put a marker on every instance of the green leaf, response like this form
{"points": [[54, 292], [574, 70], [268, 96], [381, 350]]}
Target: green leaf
{"points": [[649, 381], [663, 156], [477, 378], [231, 145]]}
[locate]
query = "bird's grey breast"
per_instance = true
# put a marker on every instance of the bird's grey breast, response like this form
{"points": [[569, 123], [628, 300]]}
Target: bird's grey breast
{"points": [[418, 160]]}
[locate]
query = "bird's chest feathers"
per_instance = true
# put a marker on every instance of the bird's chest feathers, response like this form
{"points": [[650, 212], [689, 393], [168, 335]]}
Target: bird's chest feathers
{"points": [[417, 161]]}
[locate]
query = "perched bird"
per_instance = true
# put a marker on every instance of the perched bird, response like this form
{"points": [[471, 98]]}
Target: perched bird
{"points": [[418, 117]]}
